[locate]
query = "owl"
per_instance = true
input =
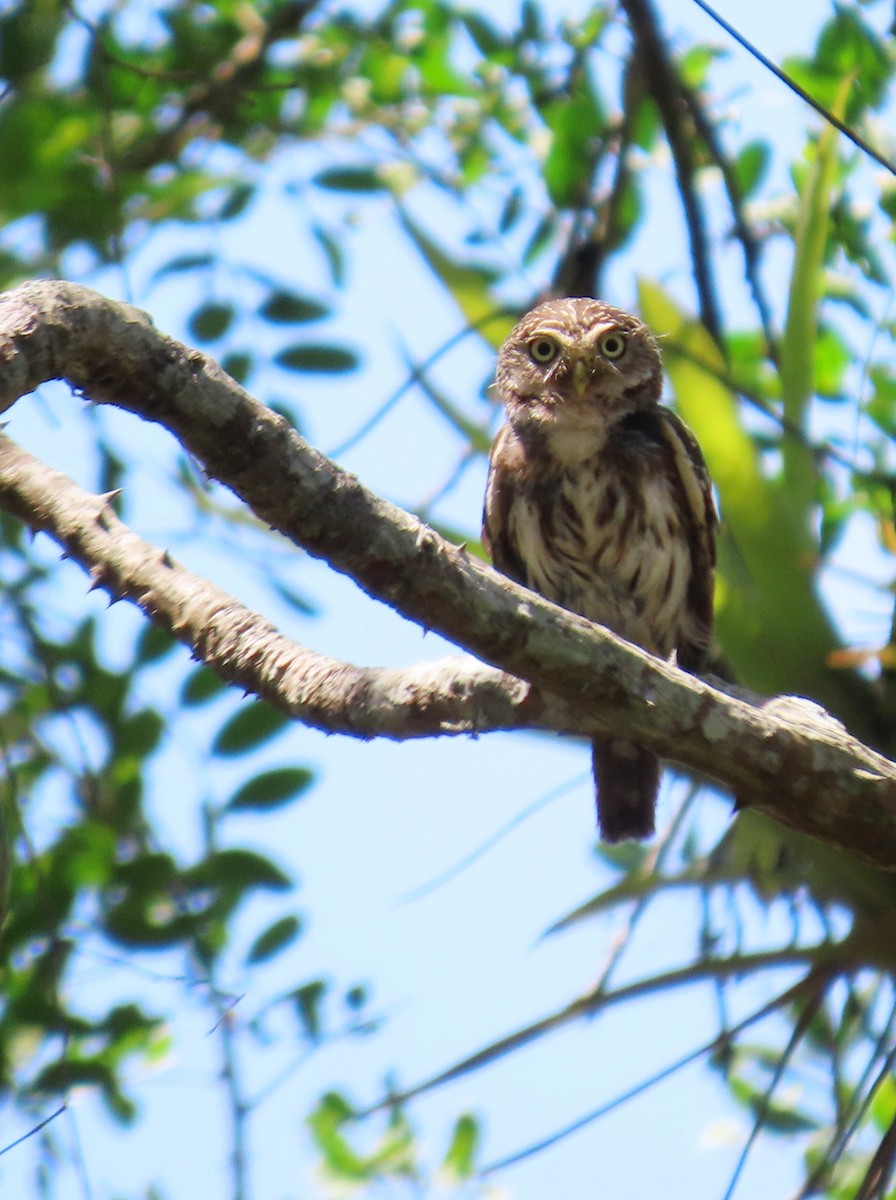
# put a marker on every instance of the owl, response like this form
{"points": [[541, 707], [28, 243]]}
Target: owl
{"points": [[599, 499]]}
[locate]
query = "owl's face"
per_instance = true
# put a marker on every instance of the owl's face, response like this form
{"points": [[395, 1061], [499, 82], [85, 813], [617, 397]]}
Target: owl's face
{"points": [[578, 357]]}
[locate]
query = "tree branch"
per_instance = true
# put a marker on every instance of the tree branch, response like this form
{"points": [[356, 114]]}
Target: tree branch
{"points": [[661, 80], [786, 757], [455, 695]]}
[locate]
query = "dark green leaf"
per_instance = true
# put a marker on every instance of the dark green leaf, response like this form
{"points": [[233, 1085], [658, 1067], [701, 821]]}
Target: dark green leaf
{"points": [[154, 643], [273, 940], [139, 734], [350, 179], [237, 202], [237, 871], [251, 726], [287, 308], [272, 789], [309, 1000], [201, 685], [183, 262], [237, 365], [356, 997], [211, 321], [316, 358]]}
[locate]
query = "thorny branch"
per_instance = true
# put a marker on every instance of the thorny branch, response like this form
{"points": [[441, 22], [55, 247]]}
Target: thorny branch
{"points": [[548, 668]]}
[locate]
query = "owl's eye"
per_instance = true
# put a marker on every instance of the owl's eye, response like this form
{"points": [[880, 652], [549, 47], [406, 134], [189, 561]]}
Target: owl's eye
{"points": [[543, 350], [612, 344]]}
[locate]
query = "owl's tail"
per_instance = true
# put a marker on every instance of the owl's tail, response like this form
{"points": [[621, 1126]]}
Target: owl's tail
{"points": [[628, 779]]}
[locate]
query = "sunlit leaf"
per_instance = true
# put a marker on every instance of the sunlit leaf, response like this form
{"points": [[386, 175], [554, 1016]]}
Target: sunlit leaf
{"points": [[459, 1162]]}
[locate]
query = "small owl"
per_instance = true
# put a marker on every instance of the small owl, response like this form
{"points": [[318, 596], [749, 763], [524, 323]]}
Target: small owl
{"points": [[600, 500]]}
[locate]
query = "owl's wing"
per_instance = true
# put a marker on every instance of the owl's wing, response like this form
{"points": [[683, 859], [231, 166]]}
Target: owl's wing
{"points": [[506, 473], [695, 488]]}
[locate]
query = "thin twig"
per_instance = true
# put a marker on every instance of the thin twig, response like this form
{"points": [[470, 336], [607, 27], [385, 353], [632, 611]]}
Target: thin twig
{"points": [[493, 839], [845, 129], [510, 1160], [662, 80], [589, 1004], [819, 981]]}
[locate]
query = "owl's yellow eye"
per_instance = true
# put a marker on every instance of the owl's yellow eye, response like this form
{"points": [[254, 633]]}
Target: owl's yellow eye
{"points": [[613, 344], [543, 350]]}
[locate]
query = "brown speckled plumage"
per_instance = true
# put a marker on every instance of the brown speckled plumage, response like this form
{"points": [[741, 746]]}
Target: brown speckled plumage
{"points": [[599, 499]]}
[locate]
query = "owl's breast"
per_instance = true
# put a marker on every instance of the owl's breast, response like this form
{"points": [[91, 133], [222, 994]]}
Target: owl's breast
{"points": [[605, 538]]}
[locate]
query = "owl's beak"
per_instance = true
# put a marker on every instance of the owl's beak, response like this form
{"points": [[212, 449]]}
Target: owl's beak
{"points": [[581, 376]]}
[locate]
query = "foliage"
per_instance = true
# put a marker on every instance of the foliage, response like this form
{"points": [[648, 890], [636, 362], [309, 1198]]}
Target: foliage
{"points": [[509, 156]]}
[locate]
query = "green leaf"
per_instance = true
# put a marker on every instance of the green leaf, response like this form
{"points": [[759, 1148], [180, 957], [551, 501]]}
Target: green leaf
{"points": [[250, 727], [751, 166], [201, 685], [459, 1164], [139, 734], [317, 358], [237, 870], [309, 999], [332, 1112], [288, 308], [273, 940], [350, 179], [576, 123], [237, 201], [271, 790], [833, 358], [211, 321], [181, 263], [154, 643], [237, 365]]}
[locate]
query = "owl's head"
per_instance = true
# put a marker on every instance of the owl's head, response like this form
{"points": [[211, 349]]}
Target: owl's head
{"points": [[578, 356]]}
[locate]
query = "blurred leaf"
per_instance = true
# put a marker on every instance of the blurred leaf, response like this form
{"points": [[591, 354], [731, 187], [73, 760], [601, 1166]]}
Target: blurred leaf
{"points": [[237, 201], [576, 122], [459, 1163], [317, 358], [832, 359], [154, 643], [309, 1000], [211, 322], [274, 939], [237, 870], [350, 179], [251, 726], [139, 734], [271, 790], [201, 685], [182, 263], [288, 308], [751, 166], [237, 365]]}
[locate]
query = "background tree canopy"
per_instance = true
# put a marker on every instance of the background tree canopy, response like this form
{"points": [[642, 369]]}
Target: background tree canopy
{"points": [[346, 207]]}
